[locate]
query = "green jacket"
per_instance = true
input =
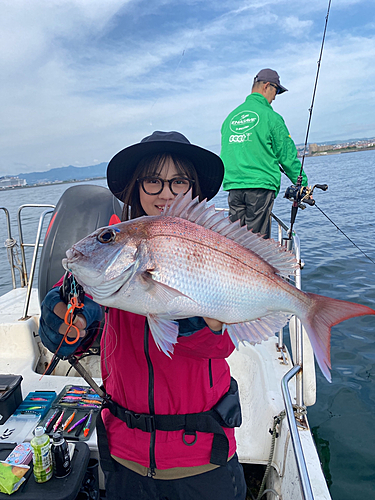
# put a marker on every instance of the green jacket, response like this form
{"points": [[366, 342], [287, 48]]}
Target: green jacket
{"points": [[254, 142]]}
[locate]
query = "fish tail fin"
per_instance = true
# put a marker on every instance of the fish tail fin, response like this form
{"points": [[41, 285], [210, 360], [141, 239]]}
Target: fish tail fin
{"points": [[321, 317]]}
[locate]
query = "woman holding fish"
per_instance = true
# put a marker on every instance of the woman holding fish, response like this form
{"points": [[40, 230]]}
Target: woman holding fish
{"points": [[169, 423]]}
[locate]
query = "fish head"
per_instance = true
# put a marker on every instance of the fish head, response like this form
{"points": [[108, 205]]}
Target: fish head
{"points": [[105, 261]]}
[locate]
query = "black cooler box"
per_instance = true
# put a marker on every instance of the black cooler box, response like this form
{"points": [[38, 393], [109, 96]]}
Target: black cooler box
{"points": [[10, 395]]}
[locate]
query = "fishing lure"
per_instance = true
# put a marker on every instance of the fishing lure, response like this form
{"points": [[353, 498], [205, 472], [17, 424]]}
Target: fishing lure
{"points": [[77, 423], [69, 420], [86, 429], [58, 421], [69, 318]]}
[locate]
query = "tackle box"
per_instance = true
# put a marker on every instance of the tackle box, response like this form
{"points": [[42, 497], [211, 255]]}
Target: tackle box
{"points": [[10, 395], [73, 404], [19, 428], [37, 403]]}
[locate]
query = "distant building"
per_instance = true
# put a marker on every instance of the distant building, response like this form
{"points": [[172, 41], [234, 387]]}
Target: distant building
{"points": [[9, 182], [314, 148]]}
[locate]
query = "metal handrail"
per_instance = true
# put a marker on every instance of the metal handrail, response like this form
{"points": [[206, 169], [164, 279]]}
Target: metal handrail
{"points": [[33, 263], [296, 441], [9, 249], [297, 372], [299, 337], [22, 244]]}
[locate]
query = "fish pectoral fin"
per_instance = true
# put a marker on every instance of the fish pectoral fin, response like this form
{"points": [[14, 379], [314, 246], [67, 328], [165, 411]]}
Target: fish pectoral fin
{"points": [[257, 330], [161, 292], [164, 332]]}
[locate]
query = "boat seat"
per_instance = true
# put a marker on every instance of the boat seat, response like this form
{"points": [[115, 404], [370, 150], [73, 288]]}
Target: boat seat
{"points": [[79, 211]]}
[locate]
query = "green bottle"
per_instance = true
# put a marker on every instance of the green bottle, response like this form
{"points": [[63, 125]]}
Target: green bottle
{"points": [[42, 458]]}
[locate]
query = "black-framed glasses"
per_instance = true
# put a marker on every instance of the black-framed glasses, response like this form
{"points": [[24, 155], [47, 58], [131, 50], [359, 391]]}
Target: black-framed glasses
{"points": [[275, 87], [155, 185]]}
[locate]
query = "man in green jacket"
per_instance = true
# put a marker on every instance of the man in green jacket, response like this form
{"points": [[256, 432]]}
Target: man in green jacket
{"points": [[254, 143]]}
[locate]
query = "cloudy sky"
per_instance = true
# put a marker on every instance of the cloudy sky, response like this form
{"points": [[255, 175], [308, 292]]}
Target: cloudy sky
{"points": [[82, 79]]}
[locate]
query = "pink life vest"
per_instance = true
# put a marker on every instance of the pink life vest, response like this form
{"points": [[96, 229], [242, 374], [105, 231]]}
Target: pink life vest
{"points": [[193, 380]]}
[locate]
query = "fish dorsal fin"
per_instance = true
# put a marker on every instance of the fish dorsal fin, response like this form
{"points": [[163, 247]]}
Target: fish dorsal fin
{"points": [[183, 206]]}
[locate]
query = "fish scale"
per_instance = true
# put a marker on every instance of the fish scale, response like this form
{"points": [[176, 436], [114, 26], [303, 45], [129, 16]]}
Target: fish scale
{"points": [[218, 274], [218, 284], [191, 261]]}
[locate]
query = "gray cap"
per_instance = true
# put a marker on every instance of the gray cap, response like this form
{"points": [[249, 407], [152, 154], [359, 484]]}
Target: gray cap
{"points": [[269, 75]]}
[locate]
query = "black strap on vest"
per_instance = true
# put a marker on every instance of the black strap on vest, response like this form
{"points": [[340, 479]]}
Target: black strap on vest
{"points": [[106, 461], [208, 421]]}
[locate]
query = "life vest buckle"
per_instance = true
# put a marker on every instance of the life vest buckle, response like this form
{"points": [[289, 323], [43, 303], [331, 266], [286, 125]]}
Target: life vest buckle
{"points": [[141, 421]]}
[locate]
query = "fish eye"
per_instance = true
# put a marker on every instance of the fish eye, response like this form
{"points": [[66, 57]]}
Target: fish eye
{"points": [[107, 235]]}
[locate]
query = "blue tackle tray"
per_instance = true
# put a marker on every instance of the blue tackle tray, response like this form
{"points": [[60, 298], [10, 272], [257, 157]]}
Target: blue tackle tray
{"points": [[37, 402]]}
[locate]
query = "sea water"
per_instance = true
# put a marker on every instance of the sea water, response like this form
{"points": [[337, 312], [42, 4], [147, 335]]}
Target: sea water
{"points": [[342, 420]]}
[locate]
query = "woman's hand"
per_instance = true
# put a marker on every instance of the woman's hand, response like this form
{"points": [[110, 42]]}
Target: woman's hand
{"points": [[79, 321], [214, 324]]}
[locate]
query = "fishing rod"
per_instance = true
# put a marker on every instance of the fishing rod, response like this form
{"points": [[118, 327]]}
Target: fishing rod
{"points": [[298, 193], [301, 194]]}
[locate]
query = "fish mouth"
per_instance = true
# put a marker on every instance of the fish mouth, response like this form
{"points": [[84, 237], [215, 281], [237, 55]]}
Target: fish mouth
{"points": [[100, 291], [79, 265], [68, 265]]}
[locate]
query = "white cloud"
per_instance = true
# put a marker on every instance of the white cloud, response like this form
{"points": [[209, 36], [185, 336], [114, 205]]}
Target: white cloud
{"points": [[77, 86], [295, 27]]}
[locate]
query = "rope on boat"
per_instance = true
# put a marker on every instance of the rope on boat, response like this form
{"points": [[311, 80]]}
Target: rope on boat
{"points": [[299, 413], [276, 421], [10, 242], [271, 490], [12, 247]]}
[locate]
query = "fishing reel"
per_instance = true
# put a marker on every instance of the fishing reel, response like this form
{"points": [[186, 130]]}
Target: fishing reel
{"points": [[299, 194], [302, 194]]}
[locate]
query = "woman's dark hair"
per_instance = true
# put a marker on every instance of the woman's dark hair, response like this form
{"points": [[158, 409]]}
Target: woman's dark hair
{"points": [[151, 166]]}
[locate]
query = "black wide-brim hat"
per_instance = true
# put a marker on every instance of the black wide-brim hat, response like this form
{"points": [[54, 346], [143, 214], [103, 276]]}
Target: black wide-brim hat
{"points": [[208, 165]]}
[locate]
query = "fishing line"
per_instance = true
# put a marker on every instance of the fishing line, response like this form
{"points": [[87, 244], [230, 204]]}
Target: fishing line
{"points": [[176, 68], [298, 193], [315, 87], [337, 227], [105, 356], [295, 192]]}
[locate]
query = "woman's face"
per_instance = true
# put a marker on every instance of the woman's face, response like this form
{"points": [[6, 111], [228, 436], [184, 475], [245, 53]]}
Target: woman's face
{"points": [[154, 204]]}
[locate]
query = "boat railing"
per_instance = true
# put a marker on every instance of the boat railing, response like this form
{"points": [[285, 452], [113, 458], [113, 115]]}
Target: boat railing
{"points": [[36, 246], [37, 243], [296, 372], [9, 244]]}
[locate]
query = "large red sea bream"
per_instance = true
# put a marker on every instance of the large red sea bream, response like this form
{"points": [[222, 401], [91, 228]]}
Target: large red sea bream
{"points": [[192, 261]]}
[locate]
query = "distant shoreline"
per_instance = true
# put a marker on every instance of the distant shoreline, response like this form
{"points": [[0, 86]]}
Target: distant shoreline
{"points": [[339, 151], [51, 183]]}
